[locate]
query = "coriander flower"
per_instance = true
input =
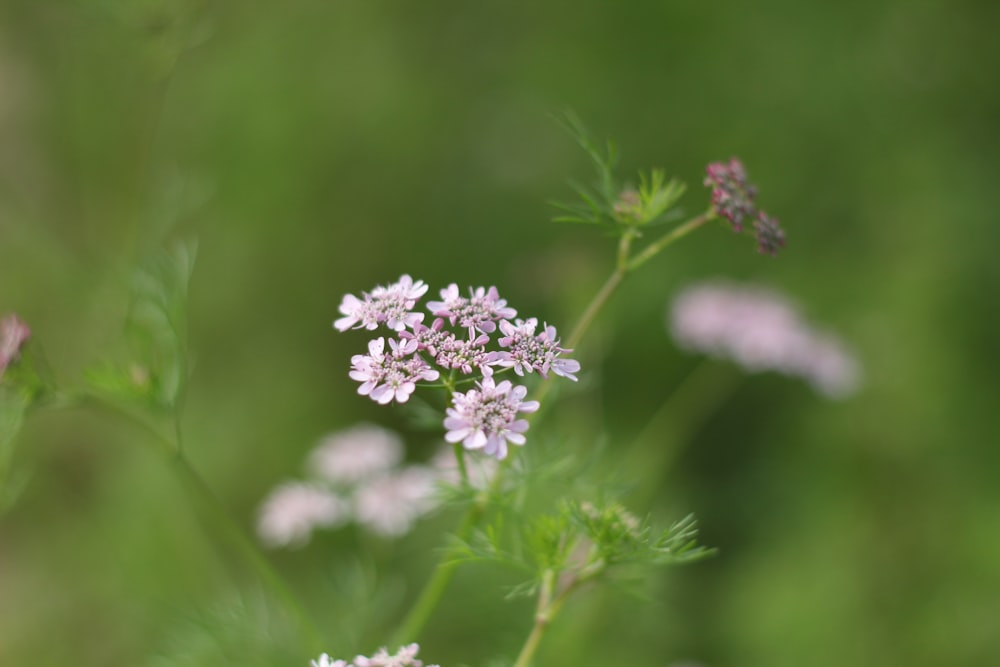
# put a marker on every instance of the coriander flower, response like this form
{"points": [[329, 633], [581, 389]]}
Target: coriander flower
{"points": [[326, 661], [293, 510], [385, 377], [479, 311], [391, 304], [13, 334], [732, 195], [486, 418], [528, 352], [389, 505], [770, 236], [466, 355], [760, 331], [430, 338], [356, 454], [406, 656]]}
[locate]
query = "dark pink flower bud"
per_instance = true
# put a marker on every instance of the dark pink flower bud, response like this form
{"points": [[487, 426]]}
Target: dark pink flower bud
{"points": [[732, 195], [770, 236]]}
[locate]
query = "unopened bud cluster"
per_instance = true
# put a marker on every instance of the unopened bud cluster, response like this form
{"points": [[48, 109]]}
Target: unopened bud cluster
{"points": [[459, 341], [734, 198]]}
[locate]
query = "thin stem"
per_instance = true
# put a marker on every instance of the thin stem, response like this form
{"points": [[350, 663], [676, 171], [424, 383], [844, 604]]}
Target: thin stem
{"points": [[542, 618], [460, 459], [658, 446], [548, 608], [435, 587], [674, 234]]}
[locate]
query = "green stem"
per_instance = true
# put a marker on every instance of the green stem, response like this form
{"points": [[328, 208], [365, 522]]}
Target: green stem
{"points": [[674, 234], [548, 608], [658, 446], [431, 594]]}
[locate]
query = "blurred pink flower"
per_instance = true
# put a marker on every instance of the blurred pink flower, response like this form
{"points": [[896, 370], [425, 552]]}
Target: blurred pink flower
{"points": [[356, 454], [760, 330], [13, 334], [292, 511]]}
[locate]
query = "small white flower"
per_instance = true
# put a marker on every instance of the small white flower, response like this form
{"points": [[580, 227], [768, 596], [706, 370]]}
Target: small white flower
{"points": [[356, 454], [391, 304], [292, 511], [326, 661], [760, 330], [480, 310], [389, 505], [406, 656], [385, 377], [527, 352], [486, 418]]}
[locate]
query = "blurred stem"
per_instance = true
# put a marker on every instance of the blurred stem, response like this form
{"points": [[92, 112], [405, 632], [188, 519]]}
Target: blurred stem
{"points": [[624, 264], [211, 510], [670, 237], [431, 594], [658, 446]]}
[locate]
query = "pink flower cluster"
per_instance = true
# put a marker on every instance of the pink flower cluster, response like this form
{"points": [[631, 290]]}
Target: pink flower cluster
{"points": [[458, 341], [406, 656], [734, 198], [761, 331]]}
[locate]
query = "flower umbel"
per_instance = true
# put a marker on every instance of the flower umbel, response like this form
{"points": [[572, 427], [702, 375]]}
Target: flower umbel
{"points": [[391, 304], [732, 195], [479, 311], [486, 418], [406, 656], [733, 198], [527, 352], [385, 377], [770, 236]]}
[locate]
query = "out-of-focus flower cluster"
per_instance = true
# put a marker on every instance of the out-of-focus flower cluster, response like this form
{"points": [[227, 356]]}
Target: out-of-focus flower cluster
{"points": [[734, 198], [761, 331], [459, 342], [357, 476], [406, 656], [13, 334]]}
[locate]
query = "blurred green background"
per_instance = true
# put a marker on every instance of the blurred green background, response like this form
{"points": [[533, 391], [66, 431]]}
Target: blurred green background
{"points": [[319, 147]]}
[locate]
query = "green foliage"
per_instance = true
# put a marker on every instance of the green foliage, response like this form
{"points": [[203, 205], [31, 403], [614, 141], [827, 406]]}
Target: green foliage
{"points": [[155, 370], [608, 202], [582, 540], [242, 630]]}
